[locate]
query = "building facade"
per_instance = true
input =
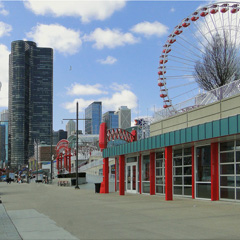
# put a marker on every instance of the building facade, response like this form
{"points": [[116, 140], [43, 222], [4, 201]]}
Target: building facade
{"points": [[30, 99], [2, 146], [111, 119], [93, 112], [194, 154], [58, 136], [70, 127], [124, 117]]}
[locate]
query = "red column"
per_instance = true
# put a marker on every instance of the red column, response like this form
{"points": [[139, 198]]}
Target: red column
{"points": [[152, 173], [65, 160], [121, 174], [214, 172], [168, 173], [115, 174], [57, 163], [193, 176], [69, 162], [105, 182], [140, 173]]}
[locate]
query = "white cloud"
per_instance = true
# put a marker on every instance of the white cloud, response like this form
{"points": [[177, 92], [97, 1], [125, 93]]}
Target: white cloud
{"points": [[61, 39], [172, 10], [110, 38], [78, 89], [82, 104], [3, 11], [109, 60], [119, 87], [4, 57], [149, 29], [86, 10], [5, 29], [123, 98]]}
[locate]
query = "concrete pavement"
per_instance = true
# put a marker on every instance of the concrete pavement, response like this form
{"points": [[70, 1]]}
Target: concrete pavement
{"points": [[82, 214]]}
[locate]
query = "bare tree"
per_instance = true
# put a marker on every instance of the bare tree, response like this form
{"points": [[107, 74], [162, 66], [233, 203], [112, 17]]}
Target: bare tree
{"points": [[220, 63]]}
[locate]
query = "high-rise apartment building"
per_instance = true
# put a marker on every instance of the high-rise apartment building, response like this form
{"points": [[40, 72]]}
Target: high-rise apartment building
{"points": [[30, 99], [93, 112], [124, 117], [70, 127], [110, 119], [2, 146]]}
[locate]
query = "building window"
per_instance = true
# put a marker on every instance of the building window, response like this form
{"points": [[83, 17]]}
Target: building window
{"points": [[229, 170], [160, 172], [146, 174], [182, 171]]}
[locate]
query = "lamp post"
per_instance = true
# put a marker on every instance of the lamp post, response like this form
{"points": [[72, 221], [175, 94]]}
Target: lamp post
{"points": [[77, 187]]}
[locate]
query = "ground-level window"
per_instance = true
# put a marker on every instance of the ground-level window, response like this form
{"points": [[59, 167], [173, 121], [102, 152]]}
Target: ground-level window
{"points": [[230, 170], [146, 174], [160, 172], [182, 171], [117, 172]]}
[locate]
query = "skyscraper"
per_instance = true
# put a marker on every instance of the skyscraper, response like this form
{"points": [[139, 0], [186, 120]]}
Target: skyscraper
{"points": [[70, 128], [124, 117], [30, 99], [94, 112], [110, 119]]}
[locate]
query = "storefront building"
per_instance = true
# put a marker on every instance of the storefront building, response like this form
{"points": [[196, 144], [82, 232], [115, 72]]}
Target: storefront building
{"points": [[195, 154]]}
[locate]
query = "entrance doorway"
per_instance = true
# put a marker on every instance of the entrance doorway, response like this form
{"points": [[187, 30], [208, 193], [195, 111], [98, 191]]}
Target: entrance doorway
{"points": [[131, 177], [203, 172]]}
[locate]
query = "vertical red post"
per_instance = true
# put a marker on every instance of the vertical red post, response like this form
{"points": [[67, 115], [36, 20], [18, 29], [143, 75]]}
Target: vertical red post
{"points": [[61, 157], [140, 172], [152, 174], [168, 174], [193, 176], [121, 174], [105, 182], [115, 174], [69, 162], [65, 160], [57, 163], [214, 172]]}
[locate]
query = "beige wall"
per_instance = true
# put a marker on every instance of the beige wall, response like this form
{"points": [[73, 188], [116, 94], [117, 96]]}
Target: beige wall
{"points": [[222, 109]]}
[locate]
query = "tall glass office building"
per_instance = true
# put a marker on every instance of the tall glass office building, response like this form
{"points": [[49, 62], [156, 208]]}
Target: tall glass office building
{"points": [[93, 112], [30, 99], [110, 119]]}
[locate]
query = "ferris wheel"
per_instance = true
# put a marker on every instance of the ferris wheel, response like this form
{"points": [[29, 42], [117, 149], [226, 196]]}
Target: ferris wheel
{"points": [[185, 46]]}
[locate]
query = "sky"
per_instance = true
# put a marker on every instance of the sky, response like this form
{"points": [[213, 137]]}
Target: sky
{"points": [[103, 50]]}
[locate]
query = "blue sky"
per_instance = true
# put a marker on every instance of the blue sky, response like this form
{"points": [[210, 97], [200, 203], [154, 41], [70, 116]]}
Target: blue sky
{"points": [[106, 51]]}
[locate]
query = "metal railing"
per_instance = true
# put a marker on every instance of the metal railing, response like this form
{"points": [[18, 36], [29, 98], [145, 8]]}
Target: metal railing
{"points": [[199, 100]]}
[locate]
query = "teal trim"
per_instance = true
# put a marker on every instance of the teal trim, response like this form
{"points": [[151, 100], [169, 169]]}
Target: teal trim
{"points": [[167, 139], [195, 133], [233, 126], [189, 134], [172, 138], [202, 131], [183, 135], [218, 128], [177, 137], [209, 130], [224, 127]]}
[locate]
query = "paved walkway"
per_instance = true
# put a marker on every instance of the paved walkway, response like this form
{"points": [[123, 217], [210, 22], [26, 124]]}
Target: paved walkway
{"points": [[7, 228], [66, 213]]}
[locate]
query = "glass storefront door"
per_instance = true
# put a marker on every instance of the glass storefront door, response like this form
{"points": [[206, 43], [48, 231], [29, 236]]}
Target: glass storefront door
{"points": [[203, 172], [131, 177]]}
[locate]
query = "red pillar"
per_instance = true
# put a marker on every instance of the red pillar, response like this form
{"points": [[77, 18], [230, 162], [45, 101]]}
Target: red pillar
{"points": [[193, 170], [168, 173], [69, 163], [57, 163], [105, 182], [152, 173], [214, 172], [115, 174], [121, 174], [140, 173]]}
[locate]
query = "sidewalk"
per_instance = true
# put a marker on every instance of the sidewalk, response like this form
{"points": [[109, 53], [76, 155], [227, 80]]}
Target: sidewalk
{"points": [[40, 209], [7, 229]]}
